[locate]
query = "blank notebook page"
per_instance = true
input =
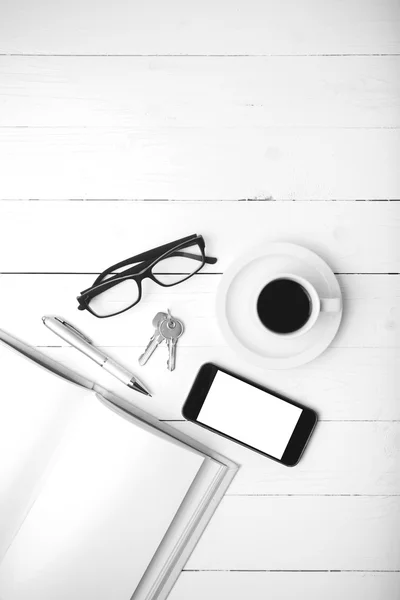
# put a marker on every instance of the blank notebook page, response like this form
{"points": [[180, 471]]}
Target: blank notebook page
{"points": [[108, 499], [35, 410]]}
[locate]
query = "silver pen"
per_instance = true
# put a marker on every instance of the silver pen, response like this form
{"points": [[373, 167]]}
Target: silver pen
{"points": [[78, 340]]}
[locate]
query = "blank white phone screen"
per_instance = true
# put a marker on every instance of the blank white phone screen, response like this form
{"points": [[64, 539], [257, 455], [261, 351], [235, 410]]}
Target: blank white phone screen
{"points": [[250, 415]]}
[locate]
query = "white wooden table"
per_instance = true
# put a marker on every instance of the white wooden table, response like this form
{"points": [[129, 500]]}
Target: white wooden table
{"points": [[127, 124]]}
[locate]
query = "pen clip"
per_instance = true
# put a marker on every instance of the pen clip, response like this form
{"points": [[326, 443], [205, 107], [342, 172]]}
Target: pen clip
{"points": [[74, 329]]}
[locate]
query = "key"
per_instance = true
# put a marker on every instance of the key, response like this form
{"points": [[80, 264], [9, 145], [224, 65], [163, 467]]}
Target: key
{"points": [[171, 329], [155, 339]]}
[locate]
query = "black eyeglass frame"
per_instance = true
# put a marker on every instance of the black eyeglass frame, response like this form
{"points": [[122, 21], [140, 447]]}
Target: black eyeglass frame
{"points": [[138, 272]]}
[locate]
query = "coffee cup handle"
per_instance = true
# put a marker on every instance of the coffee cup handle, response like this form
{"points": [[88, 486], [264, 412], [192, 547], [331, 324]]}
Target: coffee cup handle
{"points": [[331, 304]]}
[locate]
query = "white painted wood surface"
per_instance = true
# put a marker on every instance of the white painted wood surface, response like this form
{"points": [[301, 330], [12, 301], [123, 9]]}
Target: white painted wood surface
{"points": [[342, 384], [261, 585], [227, 27], [368, 298], [265, 101], [339, 534], [356, 237], [341, 467], [200, 128], [199, 163], [273, 91]]}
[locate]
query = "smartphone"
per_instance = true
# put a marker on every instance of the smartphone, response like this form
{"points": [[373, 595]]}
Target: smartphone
{"points": [[249, 414]]}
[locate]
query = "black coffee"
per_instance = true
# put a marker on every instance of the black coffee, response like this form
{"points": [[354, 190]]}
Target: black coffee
{"points": [[284, 306]]}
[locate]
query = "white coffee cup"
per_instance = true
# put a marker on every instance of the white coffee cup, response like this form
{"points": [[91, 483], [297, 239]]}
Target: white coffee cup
{"points": [[317, 304]]}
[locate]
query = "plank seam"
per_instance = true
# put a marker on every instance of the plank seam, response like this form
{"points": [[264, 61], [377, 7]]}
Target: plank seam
{"points": [[198, 201], [319, 420], [250, 495], [196, 275], [234, 127], [391, 349], [291, 570], [117, 55]]}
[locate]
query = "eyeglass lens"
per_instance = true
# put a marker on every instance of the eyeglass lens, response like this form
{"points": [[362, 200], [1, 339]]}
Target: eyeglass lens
{"points": [[115, 299], [179, 265]]}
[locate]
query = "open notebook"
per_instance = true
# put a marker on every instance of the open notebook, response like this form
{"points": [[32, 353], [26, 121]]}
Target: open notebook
{"points": [[98, 500]]}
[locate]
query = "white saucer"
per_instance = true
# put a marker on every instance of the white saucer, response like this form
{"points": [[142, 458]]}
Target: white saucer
{"points": [[237, 298]]}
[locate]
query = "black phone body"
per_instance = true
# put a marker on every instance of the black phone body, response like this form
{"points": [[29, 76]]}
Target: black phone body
{"points": [[249, 414]]}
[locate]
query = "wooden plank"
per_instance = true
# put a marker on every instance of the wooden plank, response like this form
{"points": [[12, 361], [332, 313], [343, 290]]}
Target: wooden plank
{"points": [[177, 92], [235, 27], [341, 384], [294, 533], [90, 236], [286, 586], [345, 458], [353, 458], [199, 163], [372, 299]]}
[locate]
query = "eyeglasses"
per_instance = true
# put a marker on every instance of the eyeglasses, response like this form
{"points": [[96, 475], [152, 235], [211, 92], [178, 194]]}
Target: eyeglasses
{"points": [[114, 293]]}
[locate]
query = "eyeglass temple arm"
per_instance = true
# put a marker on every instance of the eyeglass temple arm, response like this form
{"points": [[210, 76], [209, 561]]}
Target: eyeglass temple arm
{"points": [[148, 255], [136, 268], [155, 253], [208, 259]]}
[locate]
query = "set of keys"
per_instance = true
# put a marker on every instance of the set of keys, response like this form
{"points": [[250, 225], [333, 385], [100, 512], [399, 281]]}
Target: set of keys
{"points": [[169, 329]]}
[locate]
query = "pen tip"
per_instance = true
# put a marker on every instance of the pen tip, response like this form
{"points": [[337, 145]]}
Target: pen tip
{"points": [[135, 385]]}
